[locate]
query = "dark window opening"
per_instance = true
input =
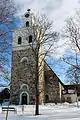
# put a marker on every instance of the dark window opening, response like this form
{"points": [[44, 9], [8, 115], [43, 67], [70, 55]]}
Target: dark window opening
{"points": [[28, 10], [30, 38], [46, 98], [27, 24], [78, 93], [27, 15], [19, 40]]}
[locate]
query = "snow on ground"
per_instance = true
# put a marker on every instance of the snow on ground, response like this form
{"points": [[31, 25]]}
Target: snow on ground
{"points": [[47, 112]]}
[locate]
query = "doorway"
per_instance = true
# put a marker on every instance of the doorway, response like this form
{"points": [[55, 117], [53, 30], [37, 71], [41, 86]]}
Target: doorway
{"points": [[24, 99]]}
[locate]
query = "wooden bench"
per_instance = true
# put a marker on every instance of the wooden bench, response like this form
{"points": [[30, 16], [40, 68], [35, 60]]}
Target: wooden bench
{"points": [[9, 109]]}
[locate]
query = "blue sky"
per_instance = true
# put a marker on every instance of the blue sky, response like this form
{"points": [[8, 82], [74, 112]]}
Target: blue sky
{"points": [[60, 67], [7, 53]]}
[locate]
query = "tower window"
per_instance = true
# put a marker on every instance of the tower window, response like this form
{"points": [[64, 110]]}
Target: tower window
{"points": [[19, 40], [27, 24], [27, 15], [30, 38]]}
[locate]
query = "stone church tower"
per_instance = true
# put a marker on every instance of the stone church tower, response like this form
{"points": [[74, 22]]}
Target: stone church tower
{"points": [[23, 65], [22, 87]]}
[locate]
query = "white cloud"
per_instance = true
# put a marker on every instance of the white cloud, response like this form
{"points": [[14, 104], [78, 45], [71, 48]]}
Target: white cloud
{"points": [[66, 10], [56, 10]]}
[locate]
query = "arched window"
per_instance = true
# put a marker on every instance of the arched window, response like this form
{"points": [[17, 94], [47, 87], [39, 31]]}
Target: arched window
{"points": [[30, 38], [24, 87], [24, 61], [27, 24], [19, 40]]}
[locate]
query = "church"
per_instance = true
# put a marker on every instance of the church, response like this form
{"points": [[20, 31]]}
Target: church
{"points": [[22, 86]]}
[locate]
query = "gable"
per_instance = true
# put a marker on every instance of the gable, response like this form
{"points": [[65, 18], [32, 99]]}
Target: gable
{"points": [[49, 71]]}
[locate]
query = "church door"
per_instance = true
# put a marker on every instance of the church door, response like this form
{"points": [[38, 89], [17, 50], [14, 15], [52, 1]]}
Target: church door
{"points": [[24, 99]]}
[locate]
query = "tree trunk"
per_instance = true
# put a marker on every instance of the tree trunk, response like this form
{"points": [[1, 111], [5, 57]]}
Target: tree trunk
{"points": [[36, 88], [7, 110], [77, 96]]}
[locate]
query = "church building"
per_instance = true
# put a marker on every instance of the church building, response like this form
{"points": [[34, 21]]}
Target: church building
{"points": [[22, 87]]}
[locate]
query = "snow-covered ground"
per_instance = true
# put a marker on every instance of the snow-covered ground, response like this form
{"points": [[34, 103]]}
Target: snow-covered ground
{"points": [[47, 112]]}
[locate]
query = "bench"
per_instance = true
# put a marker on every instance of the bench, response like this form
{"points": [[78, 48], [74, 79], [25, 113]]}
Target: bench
{"points": [[9, 109]]}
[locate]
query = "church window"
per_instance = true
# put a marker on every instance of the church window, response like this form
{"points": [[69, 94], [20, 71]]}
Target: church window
{"points": [[19, 40], [24, 61], [27, 24], [27, 15], [24, 87], [30, 39]]}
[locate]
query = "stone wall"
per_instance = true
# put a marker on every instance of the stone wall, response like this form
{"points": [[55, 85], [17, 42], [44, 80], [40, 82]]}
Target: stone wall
{"points": [[51, 86], [22, 74]]}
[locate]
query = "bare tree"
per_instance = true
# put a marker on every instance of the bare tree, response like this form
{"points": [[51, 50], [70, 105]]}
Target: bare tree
{"points": [[7, 11], [44, 38], [73, 77], [73, 73], [71, 32]]}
